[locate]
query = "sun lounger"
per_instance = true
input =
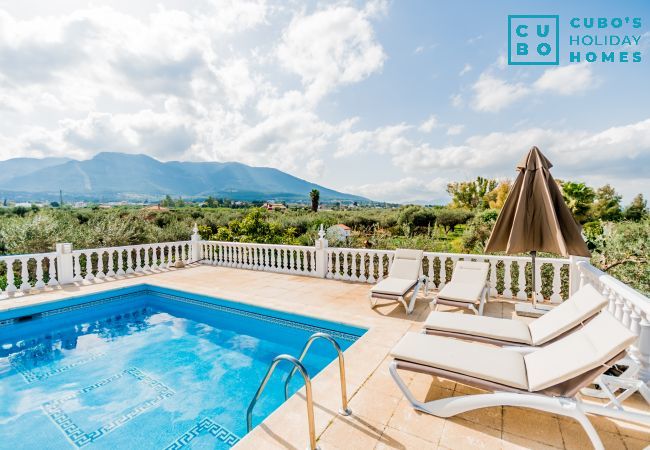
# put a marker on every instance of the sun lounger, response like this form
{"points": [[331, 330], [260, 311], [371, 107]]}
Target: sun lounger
{"points": [[467, 289], [547, 379], [564, 318], [405, 275]]}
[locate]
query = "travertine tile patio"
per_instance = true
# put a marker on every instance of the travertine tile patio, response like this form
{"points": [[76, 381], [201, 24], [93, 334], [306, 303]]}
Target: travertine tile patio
{"points": [[381, 417]]}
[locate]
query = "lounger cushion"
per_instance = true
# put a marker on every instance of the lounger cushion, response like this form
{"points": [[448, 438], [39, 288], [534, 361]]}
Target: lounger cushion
{"points": [[462, 292], [470, 272], [406, 264], [393, 286], [591, 346], [582, 305], [476, 360], [514, 331]]}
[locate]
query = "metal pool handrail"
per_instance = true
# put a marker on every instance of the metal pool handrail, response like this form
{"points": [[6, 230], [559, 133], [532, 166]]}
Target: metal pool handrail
{"points": [[345, 410], [310, 403]]}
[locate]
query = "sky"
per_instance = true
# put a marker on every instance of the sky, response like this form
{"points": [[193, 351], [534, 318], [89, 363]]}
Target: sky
{"points": [[389, 100]]}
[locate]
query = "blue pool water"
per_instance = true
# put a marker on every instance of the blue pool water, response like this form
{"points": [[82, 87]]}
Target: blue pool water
{"points": [[146, 368]]}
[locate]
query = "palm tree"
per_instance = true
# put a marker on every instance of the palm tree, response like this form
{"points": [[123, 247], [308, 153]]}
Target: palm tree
{"points": [[315, 199]]}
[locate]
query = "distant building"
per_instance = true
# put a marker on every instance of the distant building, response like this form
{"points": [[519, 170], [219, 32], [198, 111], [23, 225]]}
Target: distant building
{"points": [[156, 208], [274, 206], [339, 231]]}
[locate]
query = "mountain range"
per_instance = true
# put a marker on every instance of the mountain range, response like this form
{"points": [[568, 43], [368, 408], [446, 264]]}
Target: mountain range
{"points": [[120, 176]]}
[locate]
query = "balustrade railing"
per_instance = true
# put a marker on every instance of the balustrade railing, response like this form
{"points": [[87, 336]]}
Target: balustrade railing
{"points": [[629, 306], [34, 272], [23, 273], [294, 259], [509, 276]]}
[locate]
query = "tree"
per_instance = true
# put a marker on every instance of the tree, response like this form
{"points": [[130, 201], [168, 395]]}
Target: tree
{"points": [[471, 194], [417, 217], [637, 210], [450, 218], [211, 202], [314, 195], [478, 231], [607, 206], [54, 204], [168, 201], [496, 198], [579, 198]]}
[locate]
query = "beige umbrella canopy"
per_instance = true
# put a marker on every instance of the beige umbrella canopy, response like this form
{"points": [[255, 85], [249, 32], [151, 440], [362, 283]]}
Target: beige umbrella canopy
{"points": [[534, 217]]}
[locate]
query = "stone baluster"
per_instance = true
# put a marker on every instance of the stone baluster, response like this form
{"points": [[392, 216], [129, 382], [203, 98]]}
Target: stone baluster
{"points": [[11, 286], [77, 267], [100, 265], [39, 284], [493, 277], [442, 272], [129, 260], [111, 263], [507, 278], [556, 296], [24, 275], [521, 293], [120, 262], [54, 279], [89, 266], [147, 258], [346, 265], [371, 268]]}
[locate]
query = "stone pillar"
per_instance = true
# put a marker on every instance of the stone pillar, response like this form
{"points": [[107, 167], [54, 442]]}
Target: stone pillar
{"points": [[574, 273], [64, 263], [196, 245], [321, 254]]}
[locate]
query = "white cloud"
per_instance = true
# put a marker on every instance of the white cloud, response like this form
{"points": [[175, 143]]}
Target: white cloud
{"points": [[428, 125], [567, 80], [454, 130], [493, 94], [456, 100], [466, 68], [331, 47], [405, 190]]}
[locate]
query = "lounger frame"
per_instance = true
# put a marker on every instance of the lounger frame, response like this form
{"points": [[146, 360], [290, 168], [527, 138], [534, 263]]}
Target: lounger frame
{"points": [[437, 300], [560, 399], [410, 306]]}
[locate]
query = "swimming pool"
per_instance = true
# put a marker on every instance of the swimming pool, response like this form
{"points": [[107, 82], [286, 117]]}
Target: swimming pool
{"points": [[146, 367]]}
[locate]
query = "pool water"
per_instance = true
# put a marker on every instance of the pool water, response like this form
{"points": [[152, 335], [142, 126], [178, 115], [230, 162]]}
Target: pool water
{"points": [[147, 368]]}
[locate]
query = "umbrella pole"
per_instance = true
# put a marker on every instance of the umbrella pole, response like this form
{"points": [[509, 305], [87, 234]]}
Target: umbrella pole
{"points": [[533, 254]]}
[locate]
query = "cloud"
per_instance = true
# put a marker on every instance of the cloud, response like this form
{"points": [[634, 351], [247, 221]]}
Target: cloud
{"points": [[405, 190], [428, 125], [493, 94], [331, 47], [456, 100], [466, 68], [567, 80], [454, 130]]}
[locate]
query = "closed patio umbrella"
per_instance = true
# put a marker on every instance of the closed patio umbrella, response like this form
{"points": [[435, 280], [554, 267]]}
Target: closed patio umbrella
{"points": [[534, 217]]}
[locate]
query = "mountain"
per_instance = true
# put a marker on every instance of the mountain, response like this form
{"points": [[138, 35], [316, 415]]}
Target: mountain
{"points": [[120, 176], [26, 166]]}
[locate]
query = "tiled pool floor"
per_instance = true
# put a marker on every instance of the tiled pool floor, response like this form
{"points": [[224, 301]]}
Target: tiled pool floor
{"points": [[382, 418]]}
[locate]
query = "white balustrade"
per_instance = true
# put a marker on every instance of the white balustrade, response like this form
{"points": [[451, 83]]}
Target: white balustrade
{"points": [[629, 306], [27, 273]]}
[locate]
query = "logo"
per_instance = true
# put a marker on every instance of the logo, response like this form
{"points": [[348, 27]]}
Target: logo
{"points": [[534, 40]]}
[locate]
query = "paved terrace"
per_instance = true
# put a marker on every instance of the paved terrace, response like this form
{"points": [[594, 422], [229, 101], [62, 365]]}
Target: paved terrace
{"points": [[381, 418]]}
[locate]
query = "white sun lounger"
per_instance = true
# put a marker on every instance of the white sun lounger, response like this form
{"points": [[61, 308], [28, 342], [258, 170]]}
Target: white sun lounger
{"points": [[467, 289], [547, 379], [405, 274], [564, 318]]}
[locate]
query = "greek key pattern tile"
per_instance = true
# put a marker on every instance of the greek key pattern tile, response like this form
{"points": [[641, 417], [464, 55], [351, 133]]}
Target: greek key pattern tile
{"points": [[101, 301], [79, 437], [31, 376], [206, 425], [285, 322]]}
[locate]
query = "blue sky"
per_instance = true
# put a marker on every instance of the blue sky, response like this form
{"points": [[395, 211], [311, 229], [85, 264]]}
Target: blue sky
{"points": [[391, 100]]}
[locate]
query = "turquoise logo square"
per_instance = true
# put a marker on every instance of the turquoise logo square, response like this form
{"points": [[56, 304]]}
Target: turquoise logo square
{"points": [[533, 40]]}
